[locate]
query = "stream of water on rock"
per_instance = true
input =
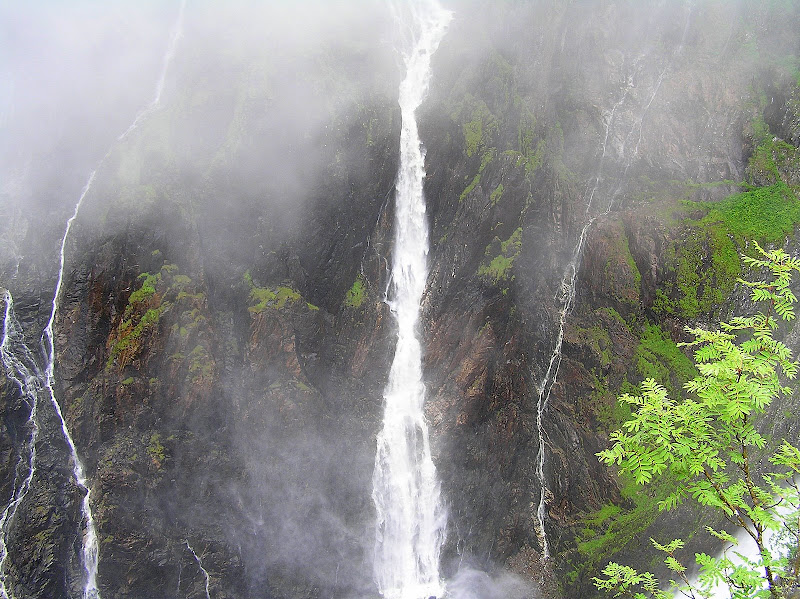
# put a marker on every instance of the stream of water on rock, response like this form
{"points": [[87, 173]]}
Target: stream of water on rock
{"points": [[21, 368], [568, 285], [33, 383], [411, 519]]}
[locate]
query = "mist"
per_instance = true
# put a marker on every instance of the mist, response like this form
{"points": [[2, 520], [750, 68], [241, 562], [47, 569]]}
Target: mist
{"points": [[223, 339]]}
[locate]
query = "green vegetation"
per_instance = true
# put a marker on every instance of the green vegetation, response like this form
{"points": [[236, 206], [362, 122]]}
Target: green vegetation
{"points": [[611, 528], [356, 295], [496, 195], [272, 298], [598, 339], [480, 128], [658, 357], [487, 158], [156, 450], [767, 213], [626, 251], [201, 365], [277, 298], [705, 266], [499, 268], [156, 294], [704, 261], [708, 445]]}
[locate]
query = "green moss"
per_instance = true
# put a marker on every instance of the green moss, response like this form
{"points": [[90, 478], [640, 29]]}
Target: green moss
{"points": [[181, 280], [146, 305], [766, 214], [598, 339], [196, 297], [478, 125], [274, 298], [356, 295], [611, 528], [485, 161], [704, 265], [626, 249], [609, 413], [128, 381], [613, 314], [156, 450], [496, 195], [473, 135], [468, 189], [705, 261], [201, 365], [499, 267], [144, 293], [659, 357]]}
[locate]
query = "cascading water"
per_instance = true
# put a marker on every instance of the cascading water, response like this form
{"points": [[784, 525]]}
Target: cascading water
{"points": [[20, 367], [90, 547], [202, 569], [177, 31], [569, 280], [411, 519]]}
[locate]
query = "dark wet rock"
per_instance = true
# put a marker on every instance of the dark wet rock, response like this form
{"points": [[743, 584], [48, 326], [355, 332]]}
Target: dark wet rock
{"points": [[223, 341]]}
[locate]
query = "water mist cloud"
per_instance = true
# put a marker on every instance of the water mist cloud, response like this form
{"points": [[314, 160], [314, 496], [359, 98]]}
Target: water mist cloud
{"points": [[469, 583]]}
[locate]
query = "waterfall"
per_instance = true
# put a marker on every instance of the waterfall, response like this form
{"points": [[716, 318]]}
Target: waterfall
{"points": [[567, 289], [202, 569], [34, 384], [411, 519], [169, 54], [20, 367], [90, 546]]}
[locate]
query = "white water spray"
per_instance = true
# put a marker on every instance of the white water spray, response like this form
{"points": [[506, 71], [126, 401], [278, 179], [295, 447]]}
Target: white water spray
{"points": [[411, 519], [202, 569], [20, 367]]}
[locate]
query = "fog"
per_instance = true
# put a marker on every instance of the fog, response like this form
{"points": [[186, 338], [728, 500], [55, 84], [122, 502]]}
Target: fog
{"points": [[268, 163]]}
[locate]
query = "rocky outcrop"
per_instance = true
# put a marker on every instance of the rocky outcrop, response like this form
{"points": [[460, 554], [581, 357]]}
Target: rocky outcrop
{"points": [[223, 340]]}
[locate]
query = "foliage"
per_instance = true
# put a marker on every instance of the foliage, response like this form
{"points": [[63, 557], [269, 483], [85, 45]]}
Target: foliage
{"points": [[765, 213], [496, 195], [485, 161], [275, 298], [659, 358], [499, 267], [699, 283], [708, 444], [356, 294], [705, 260]]}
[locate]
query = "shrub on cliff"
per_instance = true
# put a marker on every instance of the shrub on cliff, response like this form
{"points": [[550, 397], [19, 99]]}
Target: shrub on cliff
{"points": [[708, 443]]}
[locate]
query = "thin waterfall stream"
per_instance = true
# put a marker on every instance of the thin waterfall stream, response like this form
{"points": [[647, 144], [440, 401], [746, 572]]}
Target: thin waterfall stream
{"points": [[411, 519], [21, 367], [567, 289]]}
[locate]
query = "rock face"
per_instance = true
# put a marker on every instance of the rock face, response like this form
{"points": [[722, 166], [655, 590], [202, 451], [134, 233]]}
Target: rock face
{"points": [[222, 340]]}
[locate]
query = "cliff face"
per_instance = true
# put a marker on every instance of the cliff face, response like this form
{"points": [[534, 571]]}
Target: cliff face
{"points": [[222, 340]]}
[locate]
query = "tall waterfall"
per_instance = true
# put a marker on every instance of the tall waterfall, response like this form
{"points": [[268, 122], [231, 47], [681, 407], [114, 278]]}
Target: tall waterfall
{"points": [[568, 288], [20, 367], [36, 385], [411, 519], [90, 546]]}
